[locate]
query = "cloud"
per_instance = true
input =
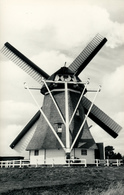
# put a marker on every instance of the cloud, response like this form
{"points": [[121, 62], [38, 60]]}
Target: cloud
{"points": [[113, 82], [12, 80], [68, 24], [51, 61], [16, 113], [119, 118], [82, 23], [7, 135], [13, 118], [115, 34]]}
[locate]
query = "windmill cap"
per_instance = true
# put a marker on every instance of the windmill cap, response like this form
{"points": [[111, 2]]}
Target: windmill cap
{"points": [[62, 73], [64, 70]]}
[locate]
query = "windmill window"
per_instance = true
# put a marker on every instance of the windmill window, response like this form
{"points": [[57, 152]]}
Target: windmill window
{"points": [[57, 78], [59, 127], [74, 78], [36, 152], [83, 152], [77, 112]]}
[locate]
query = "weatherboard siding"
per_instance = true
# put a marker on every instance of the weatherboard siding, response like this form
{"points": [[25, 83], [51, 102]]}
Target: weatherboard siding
{"points": [[57, 156], [50, 156], [37, 159], [90, 157]]}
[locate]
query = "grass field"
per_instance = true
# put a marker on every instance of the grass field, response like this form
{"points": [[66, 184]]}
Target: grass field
{"points": [[62, 181]]}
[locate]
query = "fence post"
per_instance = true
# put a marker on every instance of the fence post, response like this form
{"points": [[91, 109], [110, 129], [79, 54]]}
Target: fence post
{"points": [[1, 164], [117, 162], [20, 164], [44, 161], [9, 164], [13, 164], [6, 164], [107, 162], [53, 162], [97, 162], [36, 162], [67, 162]]}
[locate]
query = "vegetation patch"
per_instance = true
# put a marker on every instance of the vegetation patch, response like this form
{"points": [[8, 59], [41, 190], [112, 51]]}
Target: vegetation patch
{"points": [[62, 181]]}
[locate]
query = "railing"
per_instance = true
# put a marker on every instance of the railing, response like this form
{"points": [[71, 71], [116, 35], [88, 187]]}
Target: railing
{"points": [[26, 163], [68, 163], [108, 162], [14, 163], [79, 162]]}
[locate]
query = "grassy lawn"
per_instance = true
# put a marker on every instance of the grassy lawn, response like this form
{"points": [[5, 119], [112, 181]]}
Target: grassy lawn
{"points": [[62, 181]]}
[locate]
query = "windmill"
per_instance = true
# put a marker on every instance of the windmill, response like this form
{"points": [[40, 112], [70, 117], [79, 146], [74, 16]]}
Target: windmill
{"points": [[59, 128]]}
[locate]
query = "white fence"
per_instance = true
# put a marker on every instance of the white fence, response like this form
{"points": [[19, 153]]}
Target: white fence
{"points": [[14, 163], [108, 162], [26, 163], [69, 162]]}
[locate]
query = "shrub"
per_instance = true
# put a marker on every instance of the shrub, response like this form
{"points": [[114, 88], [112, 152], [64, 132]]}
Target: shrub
{"points": [[112, 190]]}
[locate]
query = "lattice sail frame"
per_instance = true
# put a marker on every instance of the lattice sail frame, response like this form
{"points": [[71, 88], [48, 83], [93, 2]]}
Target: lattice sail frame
{"points": [[87, 54], [24, 63], [102, 119]]}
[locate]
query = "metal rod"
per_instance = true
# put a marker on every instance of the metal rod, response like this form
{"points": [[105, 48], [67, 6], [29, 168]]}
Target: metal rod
{"points": [[78, 102], [90, 90], [34, 88], [54, 101], [69, 82], [67, 119], [85, 118], [53, 130]]}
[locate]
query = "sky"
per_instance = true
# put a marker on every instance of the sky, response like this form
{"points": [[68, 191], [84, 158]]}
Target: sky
{"points": [[53, 32]]}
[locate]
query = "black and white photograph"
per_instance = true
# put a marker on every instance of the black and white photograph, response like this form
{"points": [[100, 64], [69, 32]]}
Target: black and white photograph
{"points": [[61, 97]]}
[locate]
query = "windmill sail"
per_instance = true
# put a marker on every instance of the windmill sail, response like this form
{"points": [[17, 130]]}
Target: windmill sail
{"points": [[102, 119], [23, 62], [87, 54], [25, 130]]}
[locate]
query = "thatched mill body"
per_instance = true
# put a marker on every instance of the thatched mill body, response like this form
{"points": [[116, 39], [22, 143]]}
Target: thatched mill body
{"points": [[59, 130]]}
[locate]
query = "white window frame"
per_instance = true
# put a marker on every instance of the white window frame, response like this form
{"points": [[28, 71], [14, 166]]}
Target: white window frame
{"points": [[36, 152], [59, 130], [83, 152]]}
